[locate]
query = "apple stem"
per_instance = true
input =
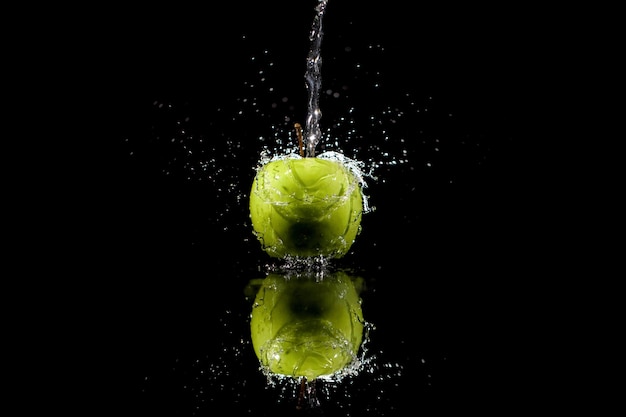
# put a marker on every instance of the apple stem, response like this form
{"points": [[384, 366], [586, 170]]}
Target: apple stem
{"points": [[301, 393], [300, 138], [307, 389]]}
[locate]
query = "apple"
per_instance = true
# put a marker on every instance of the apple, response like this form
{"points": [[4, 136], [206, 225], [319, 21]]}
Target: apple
{"points": [[306, 206], [303, 326]]}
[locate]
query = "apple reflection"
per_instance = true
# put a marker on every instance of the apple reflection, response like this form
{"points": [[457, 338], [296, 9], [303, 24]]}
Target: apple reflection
{"points": [[306, 324]]}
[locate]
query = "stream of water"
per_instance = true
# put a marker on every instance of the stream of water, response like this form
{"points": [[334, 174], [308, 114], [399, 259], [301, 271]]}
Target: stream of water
{"points": [[313, 77]]}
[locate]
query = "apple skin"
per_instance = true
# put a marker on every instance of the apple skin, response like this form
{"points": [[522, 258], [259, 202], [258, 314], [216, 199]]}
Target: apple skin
{"points": [[306, 207], [302, 326]]}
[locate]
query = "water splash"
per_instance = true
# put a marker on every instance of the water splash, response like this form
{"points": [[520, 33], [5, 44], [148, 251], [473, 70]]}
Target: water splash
{"points": [[355, 166], [313, 79]]}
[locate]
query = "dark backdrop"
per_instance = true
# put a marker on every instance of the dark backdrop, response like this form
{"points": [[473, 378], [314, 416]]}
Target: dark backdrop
{"points": [[448, 255]]}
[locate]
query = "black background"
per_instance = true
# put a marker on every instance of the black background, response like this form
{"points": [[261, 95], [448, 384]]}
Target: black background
{"points": [[451, 269]]}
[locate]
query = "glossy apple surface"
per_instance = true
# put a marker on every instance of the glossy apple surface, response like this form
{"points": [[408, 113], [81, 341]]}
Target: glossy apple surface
{"points": [[305, 327], [306, 207]]}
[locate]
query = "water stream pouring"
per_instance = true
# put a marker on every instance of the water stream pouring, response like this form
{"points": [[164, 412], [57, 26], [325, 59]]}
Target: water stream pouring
{"points": [[313, 78]]}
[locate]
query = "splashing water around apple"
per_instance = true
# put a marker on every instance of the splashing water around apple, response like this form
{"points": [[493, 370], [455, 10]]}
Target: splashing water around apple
{"points": [[303, 205]]}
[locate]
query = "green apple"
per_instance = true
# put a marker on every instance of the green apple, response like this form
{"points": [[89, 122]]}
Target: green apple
{"points": [[306, 207], [302, 326]]}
